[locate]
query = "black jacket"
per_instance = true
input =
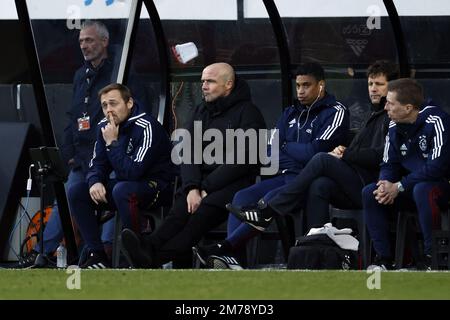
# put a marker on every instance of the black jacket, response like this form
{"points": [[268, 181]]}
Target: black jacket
{"points": [[232, 112], [365, 152]]}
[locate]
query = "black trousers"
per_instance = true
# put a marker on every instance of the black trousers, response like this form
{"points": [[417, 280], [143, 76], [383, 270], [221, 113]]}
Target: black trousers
{"points": [[323, 181], [181, 230]]}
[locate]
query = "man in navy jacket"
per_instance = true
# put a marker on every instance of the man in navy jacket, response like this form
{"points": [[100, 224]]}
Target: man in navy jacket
{"points": [[136, 147], [415, 169]]}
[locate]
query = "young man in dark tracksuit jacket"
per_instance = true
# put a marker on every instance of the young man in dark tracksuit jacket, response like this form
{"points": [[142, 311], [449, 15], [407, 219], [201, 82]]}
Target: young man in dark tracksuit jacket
{"points": [[137, 148], [199, 204], [338, 177], [415, 169], [317, 124]]}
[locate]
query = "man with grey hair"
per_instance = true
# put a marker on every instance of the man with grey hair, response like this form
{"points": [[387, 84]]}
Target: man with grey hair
{"points": [[94, 40], [85, 111]]}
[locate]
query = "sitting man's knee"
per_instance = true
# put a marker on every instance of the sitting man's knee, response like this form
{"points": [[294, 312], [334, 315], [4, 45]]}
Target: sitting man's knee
{"points": [[320, 156], [120, 190], [367, 191], [77, 191], [421, 189], [427, 190], [321, 186], [240, 198]]}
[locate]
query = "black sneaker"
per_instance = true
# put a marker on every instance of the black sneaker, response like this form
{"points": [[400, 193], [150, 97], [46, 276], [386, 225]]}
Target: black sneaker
{"points": [[425, 263], [139, 254], [254, 217], [27, 261], [216, 249], [96, 260], [223, 262], [381, 264]]}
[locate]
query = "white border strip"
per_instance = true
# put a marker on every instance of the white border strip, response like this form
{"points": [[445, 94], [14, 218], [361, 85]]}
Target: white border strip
{"points": [[220, 9], [126, 43]]}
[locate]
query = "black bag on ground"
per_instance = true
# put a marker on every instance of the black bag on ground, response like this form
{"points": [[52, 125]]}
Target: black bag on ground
{"points": [[319, 252]]}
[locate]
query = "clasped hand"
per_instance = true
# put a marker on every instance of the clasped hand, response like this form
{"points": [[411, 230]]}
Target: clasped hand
{"points": [[386, 192], [337, 152]]}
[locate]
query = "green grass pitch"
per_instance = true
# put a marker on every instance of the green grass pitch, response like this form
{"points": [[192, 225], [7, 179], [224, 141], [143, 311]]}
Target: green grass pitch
{"points": [[203, 284]]}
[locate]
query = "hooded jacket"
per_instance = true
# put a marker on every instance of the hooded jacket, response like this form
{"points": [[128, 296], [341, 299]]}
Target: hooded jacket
{"points": [[418, 152], [305, 131], [235, 111], [142, 153]]}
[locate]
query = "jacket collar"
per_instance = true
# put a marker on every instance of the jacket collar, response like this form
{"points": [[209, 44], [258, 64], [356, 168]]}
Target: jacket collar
{"points": [[135, 114], [406, 129], [240, 92], [105, 62]]}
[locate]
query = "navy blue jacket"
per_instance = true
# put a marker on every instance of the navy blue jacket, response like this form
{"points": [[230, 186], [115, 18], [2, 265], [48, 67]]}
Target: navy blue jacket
{"points": [[78, 145], [418, 152], [142, 154], [87, 82], [305, 131]]}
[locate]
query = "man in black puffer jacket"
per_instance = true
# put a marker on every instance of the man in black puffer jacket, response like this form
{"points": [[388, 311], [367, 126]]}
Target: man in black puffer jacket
{"points": [[207, 187], [337, 177]]}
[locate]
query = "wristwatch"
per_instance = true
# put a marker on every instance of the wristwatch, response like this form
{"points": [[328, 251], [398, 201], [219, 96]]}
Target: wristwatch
{"points": [[400, 187], [113, 144]]}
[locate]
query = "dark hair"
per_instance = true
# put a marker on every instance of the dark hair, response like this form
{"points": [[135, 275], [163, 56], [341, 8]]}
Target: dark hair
{"points": [[383, 67], [125, 93], [311, 69], [408, 90]]}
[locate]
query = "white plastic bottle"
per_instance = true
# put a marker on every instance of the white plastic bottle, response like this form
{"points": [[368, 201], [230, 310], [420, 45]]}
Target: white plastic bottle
{"points": [[61, 256]]}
